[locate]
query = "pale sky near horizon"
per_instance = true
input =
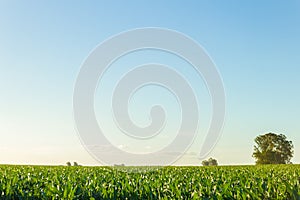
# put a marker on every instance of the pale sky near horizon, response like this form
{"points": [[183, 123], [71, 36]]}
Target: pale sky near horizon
{"points": [[255, 46]]}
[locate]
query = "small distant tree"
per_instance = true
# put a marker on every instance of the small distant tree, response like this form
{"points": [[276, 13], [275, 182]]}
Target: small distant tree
{"points": [[210, 162], [75, 164], [205, 163], [213, 162], [68, 164], [271, 148]]}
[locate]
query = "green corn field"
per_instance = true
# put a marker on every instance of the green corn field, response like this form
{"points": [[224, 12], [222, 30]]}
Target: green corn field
{"points": [[223, 182]]}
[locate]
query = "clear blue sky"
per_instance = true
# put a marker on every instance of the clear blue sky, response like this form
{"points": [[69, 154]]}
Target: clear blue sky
{"points": [[255, 45]]}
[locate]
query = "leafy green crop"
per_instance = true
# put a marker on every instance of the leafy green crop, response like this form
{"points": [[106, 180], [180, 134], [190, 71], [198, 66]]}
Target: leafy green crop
{"points": [[228, 182]]}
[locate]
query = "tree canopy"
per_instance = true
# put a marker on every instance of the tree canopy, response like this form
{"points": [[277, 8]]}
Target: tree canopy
{"points": [[210, 162], [271, 148]]}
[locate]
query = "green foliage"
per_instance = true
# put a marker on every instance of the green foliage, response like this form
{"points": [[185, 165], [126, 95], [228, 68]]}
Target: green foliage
{"points": [[210, 162], [240, 182], [273, 149]]}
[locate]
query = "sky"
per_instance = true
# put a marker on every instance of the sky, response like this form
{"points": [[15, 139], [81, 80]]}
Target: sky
{"points": [[255, 46]]}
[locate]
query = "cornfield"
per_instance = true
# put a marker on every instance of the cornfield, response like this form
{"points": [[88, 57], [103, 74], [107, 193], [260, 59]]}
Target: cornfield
{"points": [[225, 182]]}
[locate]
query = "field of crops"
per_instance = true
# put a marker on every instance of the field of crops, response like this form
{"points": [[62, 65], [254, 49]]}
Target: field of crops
{"points": [[241, 182]]}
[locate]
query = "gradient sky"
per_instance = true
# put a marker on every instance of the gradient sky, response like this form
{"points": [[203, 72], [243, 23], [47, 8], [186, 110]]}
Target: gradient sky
{"points": [[255, 45]]}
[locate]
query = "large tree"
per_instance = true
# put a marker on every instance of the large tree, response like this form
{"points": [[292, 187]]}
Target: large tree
{"points": [[272, 149]]}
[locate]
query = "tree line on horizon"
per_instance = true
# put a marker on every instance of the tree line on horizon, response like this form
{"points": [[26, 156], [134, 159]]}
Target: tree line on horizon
{"points": [[269, 148]]}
